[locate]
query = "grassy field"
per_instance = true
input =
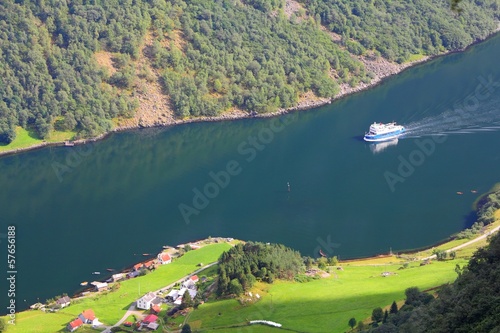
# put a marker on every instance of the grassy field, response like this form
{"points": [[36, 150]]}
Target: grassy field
{"points": [[27, 138], [324, 305], [110, 307]]}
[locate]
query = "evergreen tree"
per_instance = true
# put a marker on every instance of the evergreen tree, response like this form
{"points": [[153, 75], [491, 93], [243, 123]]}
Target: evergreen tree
{"points": [[394, 308], [187, 301], [386, 315]]}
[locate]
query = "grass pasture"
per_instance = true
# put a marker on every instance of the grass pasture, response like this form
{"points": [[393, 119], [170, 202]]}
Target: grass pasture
{"points": [[324, 305], [27, 138]]}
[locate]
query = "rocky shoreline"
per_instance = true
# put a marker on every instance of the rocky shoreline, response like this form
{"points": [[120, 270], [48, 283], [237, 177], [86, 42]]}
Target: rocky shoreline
{"points": [[380, 67]]}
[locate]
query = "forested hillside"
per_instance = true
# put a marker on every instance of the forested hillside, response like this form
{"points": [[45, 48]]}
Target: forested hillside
{"points": [[209, 56], [397, 29]]}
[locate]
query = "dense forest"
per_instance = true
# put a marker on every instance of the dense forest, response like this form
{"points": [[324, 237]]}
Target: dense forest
{"points": [[210, 55], [244, 264], [397, 29]]}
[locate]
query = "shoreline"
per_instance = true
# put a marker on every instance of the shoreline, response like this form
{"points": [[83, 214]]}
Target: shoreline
{"points": [[385, 68]]}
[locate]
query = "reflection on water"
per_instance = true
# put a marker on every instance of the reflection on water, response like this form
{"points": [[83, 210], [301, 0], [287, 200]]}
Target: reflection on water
{"points": [[379, 147]]}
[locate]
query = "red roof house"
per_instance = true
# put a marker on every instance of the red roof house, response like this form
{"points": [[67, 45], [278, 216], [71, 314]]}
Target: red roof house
{"points": [[164, 258], [87, 316], [150, 319], [155, 309], [149, 264], [74, 324]]}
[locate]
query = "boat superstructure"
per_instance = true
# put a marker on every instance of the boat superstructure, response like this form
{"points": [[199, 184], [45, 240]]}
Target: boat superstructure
{"points": [[383, 132]]}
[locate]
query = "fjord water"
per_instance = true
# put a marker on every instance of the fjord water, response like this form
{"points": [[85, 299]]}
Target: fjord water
{"points": [[84, 209]]}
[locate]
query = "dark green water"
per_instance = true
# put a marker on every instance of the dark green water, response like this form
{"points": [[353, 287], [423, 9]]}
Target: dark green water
{"points": [[84, 209]]}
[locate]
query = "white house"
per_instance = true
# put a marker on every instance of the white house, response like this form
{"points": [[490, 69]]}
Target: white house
{"points": [[164, 258], [100, 286], [175, 296], [118, 276], [63, 301], [147, 300], [191, 282]]}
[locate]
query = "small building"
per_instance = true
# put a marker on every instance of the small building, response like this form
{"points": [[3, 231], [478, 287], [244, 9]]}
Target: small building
{"points": [[100, 286], [132, 275], [164, 258], [153, 326], [63, 301], [148, 300], [172, 295], [87, 316], [118, 277], [191, 282], [175, 296], [74, 325], [155, 309], [149, 264], [138, 267], [150, 319]]}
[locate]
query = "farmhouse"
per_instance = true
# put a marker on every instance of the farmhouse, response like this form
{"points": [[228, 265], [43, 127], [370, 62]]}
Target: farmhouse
{"points": [[148, 300], [73, 326], [164, 258], [87, 316], [63, 301], [191, 282]]}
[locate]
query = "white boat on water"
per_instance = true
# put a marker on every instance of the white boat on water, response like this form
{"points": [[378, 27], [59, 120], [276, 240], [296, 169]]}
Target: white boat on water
{"points": [[382, 132]]}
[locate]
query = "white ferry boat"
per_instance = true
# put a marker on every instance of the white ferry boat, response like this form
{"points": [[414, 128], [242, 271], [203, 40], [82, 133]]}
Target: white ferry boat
{"points": [[383, 132]]}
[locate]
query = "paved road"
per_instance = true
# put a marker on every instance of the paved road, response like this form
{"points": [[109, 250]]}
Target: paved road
{"points": [[491, 232], [138, 313]]}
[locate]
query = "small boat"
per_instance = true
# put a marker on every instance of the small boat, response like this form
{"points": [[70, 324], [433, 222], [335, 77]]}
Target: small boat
{"points": [[96, 273], [84, 283], [146, 254], [382, 132], [69, 144], [460, 193], [321, 253], [110, 269], [473, 191]]}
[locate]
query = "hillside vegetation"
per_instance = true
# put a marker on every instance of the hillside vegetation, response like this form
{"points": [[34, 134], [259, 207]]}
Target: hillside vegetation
{"points": [[209, 56], [470, 304]]}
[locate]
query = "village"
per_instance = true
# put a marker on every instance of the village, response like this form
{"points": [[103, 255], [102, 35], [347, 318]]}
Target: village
{"points": [[145, 309]]}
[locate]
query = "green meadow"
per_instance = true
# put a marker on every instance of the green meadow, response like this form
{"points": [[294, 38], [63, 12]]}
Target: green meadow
{"points": [[109, 307], [26, 138], [323, 305]]}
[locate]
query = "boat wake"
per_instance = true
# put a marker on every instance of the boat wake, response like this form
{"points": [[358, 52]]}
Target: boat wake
{"points": [[485, 119]]}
